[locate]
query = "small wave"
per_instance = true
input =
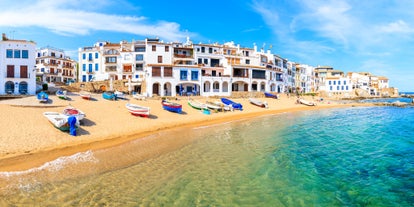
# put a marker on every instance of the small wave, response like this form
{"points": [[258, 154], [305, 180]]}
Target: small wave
{"points": [[56, 165]]}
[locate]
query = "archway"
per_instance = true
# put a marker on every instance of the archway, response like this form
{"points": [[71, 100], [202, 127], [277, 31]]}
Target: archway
{"points": [[167, 89], [225, 87], [23, 86], [9, 87], [207, 86]]}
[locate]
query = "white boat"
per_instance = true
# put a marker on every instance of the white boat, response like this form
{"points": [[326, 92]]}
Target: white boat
{"points": [[138, 96], [138, 110], [85, 95], [223, 107], [305, 102], [60, 121], [258, 102], [119, 94], [72, 111]]}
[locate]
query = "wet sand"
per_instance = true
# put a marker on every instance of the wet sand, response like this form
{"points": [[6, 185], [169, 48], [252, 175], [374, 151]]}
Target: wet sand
{"points": [[29, 140]]}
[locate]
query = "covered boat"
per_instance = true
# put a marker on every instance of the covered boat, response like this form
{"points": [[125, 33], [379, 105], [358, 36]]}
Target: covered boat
{"points": [[43, 97], [120, 95], [63, 122], [258, 102], [235, 105], [271, 95], [171, 106], [138, 110], [109, 95], [61, 94]]}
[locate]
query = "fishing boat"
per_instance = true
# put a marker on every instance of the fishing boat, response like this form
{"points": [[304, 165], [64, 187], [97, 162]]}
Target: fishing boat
{"points": [[258, 102], [120, 95], [61, 94], [43, 97], [137, 110], [72, 111], [85, 95], [222, 106], [109, 95], [62, 122], [199, 106], [215, 107], [138, 96], [305, 102], [271, 95], [171, 106], [235, 105]]}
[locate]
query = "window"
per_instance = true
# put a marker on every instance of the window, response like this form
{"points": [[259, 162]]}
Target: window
{"points": [[159, 58], [346, 87], [344, 82], [139, 57], [200, 61], [168, 72], [96, 66], [337, 88], [9, 53], [140, 49], [139, 67], [136, 76], [330, 88], [25, 54], [110, 59], [96, 55], [203, 49], [206, 61], [183, 75], [216, 86], [167, 48], [334, 82], [83, 78], [90, 56], [339, 82], [83, 56], [90, 68], [16, 53], [247, 62], [23, 71], [83, 67], [330, 82], [194, 75], [154, 48], [156, 71], [10, 71], [342, 87], [210, 50]]}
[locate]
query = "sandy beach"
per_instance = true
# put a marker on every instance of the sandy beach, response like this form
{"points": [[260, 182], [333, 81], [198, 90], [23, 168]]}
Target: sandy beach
{"points": [[29, 140]]}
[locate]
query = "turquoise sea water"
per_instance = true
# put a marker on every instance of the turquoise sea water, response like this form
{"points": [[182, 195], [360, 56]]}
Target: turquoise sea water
{"points": [[362, 156]]}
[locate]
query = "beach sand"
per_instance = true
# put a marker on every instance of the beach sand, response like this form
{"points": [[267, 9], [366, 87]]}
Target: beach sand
{"points": [[29, 140]]}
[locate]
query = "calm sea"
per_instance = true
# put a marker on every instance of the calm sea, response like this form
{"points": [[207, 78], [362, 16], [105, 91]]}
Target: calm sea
{"points": [[360, 156]]}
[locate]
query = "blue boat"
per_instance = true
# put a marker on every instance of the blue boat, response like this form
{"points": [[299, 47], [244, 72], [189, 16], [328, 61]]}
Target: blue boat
{"points": [[109, 95], [232, 103], [270, 95], [171, 106], [43, 97]]}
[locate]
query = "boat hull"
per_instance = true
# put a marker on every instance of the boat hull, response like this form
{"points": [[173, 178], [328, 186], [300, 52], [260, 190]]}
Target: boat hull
{"points": [[136, 110], [270, 95], [172, 107], [109, 96]]}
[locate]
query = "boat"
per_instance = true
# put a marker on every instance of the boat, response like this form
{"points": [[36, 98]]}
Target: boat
{"points": [[199, 106], [222, 106], [61, 94], [138, 96], [85, 95], [215, 107], [171, 106], [109, 95], [43, 97], [258, 102], [120, 95], [137, 110], [72, 111], [305, 102], [62, 122], [271, 95], [232, 103]]}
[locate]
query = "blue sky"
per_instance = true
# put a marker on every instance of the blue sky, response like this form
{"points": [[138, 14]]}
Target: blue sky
{"points": [[349, 35]]}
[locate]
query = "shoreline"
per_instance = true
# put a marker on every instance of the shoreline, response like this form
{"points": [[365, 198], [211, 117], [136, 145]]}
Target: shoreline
{"points": [[27, 159]]}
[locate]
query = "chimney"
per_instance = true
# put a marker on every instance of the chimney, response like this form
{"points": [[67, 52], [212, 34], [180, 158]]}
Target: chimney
{"points": [[4, 36]]}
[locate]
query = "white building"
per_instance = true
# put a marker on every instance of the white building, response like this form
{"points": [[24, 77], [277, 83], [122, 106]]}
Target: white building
{"points": [[53, 65], [338, 85], [304, 78], [17, 60]]}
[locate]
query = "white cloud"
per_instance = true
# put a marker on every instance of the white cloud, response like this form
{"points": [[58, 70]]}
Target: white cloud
{"points": [[77, 17]]}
